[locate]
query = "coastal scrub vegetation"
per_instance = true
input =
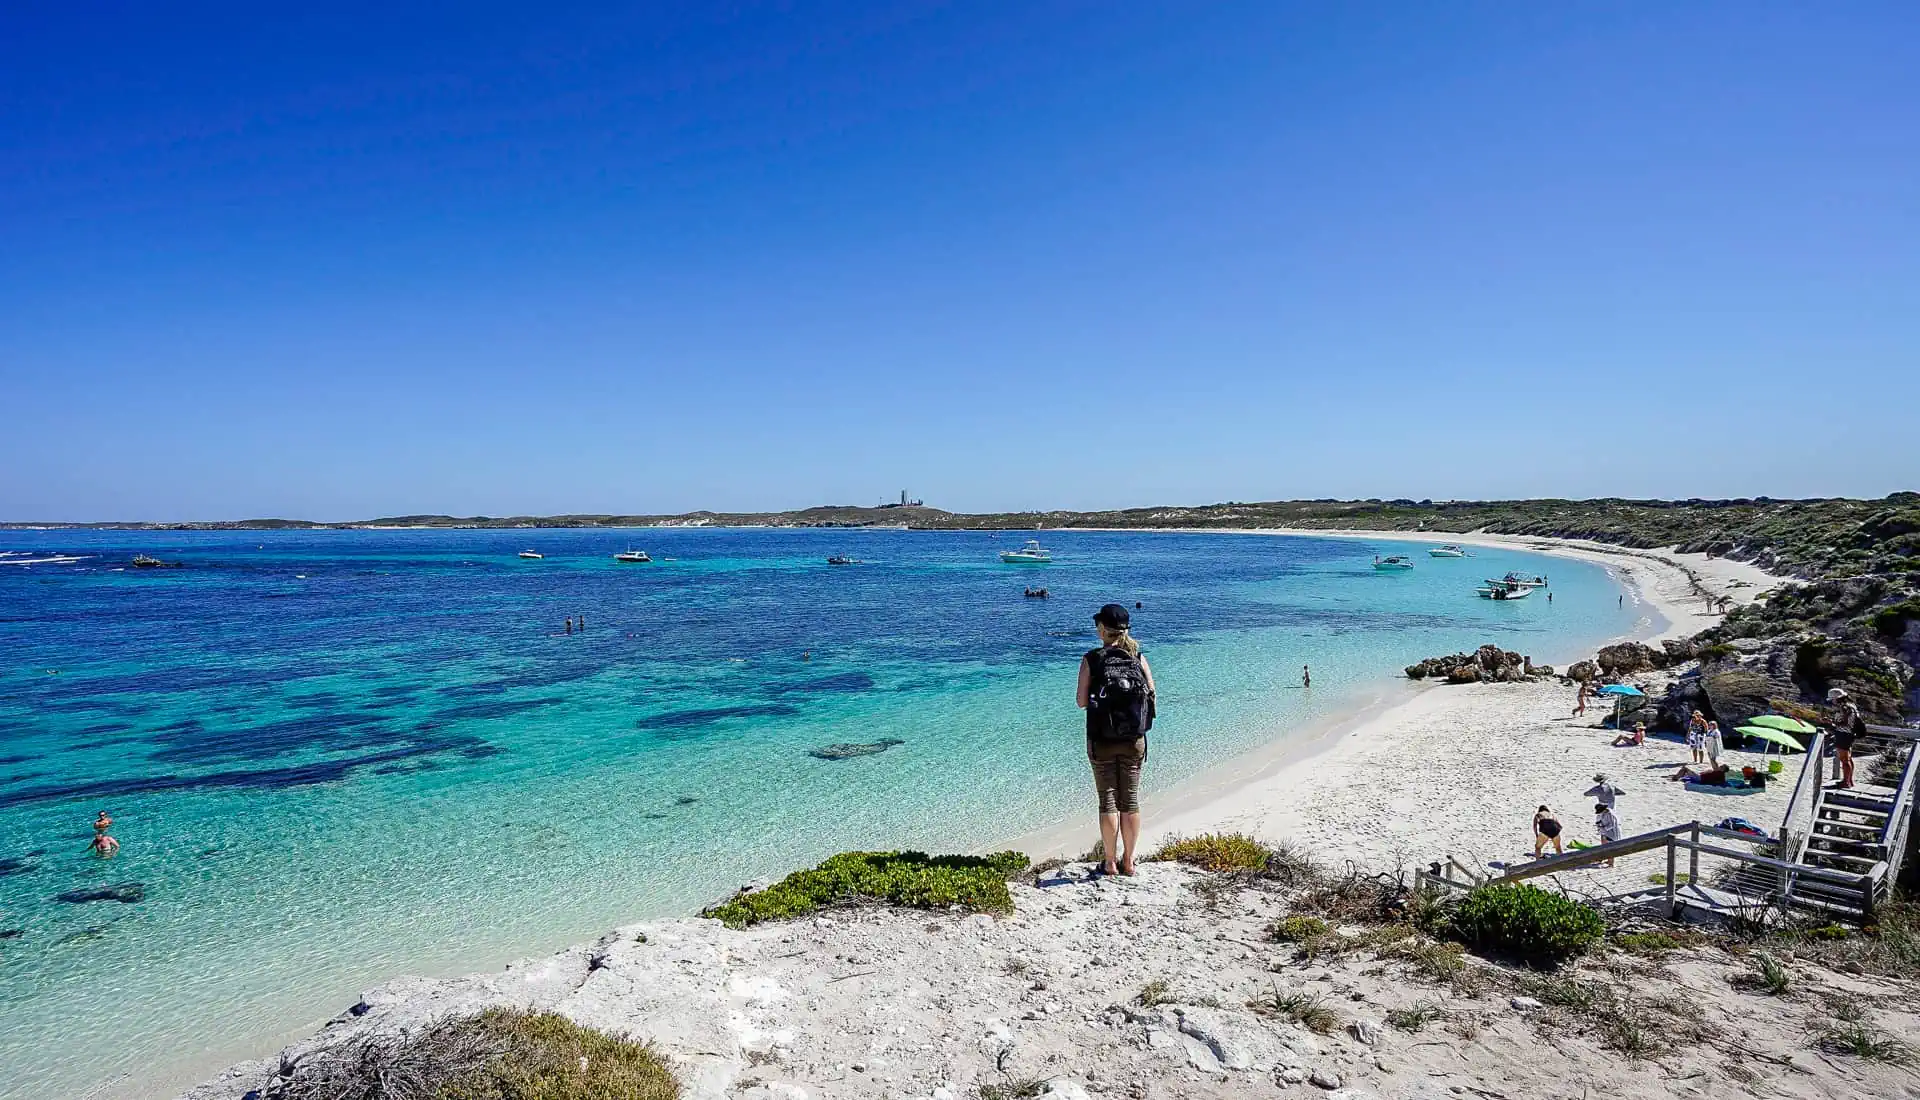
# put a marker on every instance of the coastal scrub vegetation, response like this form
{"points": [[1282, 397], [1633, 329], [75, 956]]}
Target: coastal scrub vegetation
{"points": [[1526, 922], [911, 879], [1216, 852], [500, 1054]]}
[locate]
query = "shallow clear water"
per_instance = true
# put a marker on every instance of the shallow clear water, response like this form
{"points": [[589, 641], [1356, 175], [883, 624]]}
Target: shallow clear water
{"points": [[335, 757]]}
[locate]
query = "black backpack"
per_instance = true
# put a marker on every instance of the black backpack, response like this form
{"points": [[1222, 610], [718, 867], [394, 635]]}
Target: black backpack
{"points": [[1119, 705]]}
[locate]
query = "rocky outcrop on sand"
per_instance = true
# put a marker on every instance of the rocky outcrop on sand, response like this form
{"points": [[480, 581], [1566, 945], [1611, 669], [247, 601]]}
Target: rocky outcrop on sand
{"points": [[1489, 664], [1163, 986]]}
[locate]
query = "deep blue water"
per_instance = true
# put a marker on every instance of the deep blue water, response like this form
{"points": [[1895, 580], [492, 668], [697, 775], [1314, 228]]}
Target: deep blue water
{"points": [[340, 756]]}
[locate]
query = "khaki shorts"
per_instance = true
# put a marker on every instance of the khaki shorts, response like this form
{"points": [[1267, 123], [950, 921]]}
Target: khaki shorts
{"points": [[1116, 773]]}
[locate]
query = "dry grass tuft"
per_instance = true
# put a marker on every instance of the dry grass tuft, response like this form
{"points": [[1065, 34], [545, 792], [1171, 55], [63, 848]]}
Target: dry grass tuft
{"points": [[501, 1054]]}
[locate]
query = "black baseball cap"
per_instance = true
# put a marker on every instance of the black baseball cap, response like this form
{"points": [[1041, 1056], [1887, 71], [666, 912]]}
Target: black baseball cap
{"points": [[1113, 616]]}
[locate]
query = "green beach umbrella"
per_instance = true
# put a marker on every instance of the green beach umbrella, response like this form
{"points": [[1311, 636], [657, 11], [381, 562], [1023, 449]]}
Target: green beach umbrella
{"points": [[1784, 740], [1781, 722]]}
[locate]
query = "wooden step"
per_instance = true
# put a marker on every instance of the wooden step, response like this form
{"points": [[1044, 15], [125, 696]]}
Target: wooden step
{"points": [[1841, 862], [1820, 843], [1844, 834], [1832, 909], [1856, 799], [1813, 888]]}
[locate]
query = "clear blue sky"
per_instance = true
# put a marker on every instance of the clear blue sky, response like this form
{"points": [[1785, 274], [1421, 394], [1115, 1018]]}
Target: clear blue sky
{"points": [[338, 260]]}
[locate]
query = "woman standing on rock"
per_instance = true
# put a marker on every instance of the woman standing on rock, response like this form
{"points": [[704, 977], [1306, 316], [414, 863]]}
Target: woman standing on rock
{"points": [[1116, 690]]}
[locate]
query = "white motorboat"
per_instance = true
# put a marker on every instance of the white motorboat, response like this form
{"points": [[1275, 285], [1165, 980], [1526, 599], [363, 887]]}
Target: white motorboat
{"points": [[1447, 551], [1396, 562], [1521, 580], [632, 556], [1502, 590], [532, 555], [1030, 554]]}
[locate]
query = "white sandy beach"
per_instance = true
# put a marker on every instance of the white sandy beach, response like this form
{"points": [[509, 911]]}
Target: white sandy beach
{"points": [[1435, 770]]}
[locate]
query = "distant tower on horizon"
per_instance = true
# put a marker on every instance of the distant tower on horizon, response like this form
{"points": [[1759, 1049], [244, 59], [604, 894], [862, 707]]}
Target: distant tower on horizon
{"points": [[903, 498]]}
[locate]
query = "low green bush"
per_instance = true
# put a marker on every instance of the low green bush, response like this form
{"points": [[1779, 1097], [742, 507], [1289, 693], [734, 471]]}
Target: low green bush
{"points": [[500, 1054], [1297, 929], [912, 879], [1217, 852], [1526, 922]]}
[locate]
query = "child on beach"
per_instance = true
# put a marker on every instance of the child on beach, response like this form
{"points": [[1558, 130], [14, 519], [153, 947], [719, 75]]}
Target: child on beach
{"points": [[1608, 825], [1712, 742]]}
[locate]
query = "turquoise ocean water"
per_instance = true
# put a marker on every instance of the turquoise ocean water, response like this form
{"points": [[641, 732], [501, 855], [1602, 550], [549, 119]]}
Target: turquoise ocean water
{"points": [[337, 757]]}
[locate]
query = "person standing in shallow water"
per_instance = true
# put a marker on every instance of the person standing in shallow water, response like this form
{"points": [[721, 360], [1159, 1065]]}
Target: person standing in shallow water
{"points": [[1306, 676], [1116, 690]]}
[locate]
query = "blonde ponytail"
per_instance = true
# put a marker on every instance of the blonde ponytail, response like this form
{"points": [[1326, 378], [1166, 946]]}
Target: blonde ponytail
{"points": [[1122, 640]]}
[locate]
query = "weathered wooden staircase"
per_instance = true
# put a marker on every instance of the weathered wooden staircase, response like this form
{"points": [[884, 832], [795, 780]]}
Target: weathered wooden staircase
{"points": [[1860, 830], [1838, 852]]}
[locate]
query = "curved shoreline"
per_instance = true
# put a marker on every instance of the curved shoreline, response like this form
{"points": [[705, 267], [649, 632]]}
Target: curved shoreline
{"points": [[1251, 781], [1259, 784]]}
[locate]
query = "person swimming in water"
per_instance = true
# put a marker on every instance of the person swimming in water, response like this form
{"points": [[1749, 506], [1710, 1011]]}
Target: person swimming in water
{"points": [[103, 845], [102, 823]]}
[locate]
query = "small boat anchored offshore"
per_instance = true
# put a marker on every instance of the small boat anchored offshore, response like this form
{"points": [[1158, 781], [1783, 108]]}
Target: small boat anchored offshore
{"points": [[1505, 590], [532, 555], [1397, 561], [842, 559], [1030, 554], [632, 556], [1447, 551], [1520, 579]]}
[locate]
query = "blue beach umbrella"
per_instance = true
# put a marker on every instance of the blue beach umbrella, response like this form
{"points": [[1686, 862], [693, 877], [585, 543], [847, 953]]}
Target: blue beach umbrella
{"points": [[1621, 693]]}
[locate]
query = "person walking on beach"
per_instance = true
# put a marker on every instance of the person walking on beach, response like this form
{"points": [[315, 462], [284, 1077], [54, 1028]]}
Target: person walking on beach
{"points": [[1846, 729], [1697, 737], [1117, 692], [1604, 790], [1580, 699], [1546, 828]]}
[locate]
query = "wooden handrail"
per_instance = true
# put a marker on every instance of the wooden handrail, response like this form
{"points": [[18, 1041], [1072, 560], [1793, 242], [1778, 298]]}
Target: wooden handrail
{"points": [[1800, 870], [1810, 766], [1900, 733]]}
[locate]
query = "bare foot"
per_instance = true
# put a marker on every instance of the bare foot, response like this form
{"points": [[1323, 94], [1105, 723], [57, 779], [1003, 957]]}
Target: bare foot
{"points": [[1109, 869], [1127, 868]]}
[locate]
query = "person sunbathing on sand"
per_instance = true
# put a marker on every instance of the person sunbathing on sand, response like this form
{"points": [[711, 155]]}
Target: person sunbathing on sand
{"points": [[1637, 737], [1712, 777]]}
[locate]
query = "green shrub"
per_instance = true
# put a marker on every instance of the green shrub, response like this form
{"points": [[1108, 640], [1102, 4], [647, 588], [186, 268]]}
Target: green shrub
{"points": [[1526, 922], [1154, 994], [1309, 1010], [1216, 852], [1653, 943], [1298, 929], [1716, 651], [912, 879], [501, 1054], [1892, 621], [1415, 1017]]}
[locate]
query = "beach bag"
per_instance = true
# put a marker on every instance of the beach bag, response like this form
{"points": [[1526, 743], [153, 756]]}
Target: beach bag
{"points": [[1119, 706]]}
